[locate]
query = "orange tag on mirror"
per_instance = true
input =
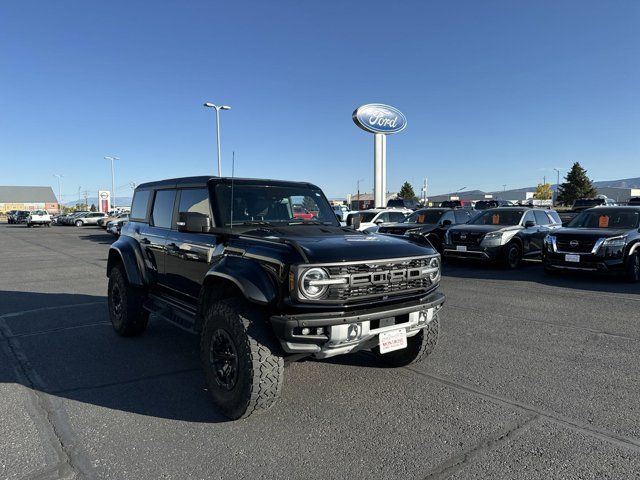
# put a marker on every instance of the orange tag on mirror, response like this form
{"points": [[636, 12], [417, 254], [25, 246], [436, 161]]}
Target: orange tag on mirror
{"points": [[603, 221], [420, 218], [495, 219]]}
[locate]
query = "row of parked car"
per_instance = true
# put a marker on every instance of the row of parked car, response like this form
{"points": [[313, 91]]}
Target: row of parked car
{"points": [[603, 239]]}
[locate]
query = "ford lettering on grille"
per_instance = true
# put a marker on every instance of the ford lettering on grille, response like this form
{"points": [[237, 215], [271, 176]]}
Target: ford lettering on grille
{"points": [[387, 276]]}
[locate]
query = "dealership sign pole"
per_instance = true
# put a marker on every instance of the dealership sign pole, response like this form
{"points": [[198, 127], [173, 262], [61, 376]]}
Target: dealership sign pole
{"points": [[381, 120]]}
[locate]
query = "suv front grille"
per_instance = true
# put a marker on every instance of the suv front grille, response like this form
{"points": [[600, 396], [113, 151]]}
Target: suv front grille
{"points": [[346, 293], [467, 238], [580, 245]]}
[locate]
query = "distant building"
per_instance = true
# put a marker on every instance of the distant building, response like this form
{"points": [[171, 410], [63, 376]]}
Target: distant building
{"points": [[620, 195], [367, 200], [28, 198]]}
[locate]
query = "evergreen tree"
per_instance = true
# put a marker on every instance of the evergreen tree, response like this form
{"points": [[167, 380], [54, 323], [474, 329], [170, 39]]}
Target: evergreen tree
{"points": [[406, 192], [543, 192], [577, 185], [93, 207]]}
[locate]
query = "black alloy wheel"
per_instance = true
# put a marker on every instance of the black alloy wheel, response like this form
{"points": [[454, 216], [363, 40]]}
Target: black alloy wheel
{"points": [[223, 357], [512, 256]]}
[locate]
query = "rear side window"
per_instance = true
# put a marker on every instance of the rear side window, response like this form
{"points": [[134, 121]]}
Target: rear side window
{"points": [[140, 204], [163, 208], [529, 217], [541, 218]]}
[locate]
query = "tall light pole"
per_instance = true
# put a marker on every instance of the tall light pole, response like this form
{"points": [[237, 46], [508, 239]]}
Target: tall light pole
{"points": [[557, 183], [218, 108], [59, 191], [113, 179]]}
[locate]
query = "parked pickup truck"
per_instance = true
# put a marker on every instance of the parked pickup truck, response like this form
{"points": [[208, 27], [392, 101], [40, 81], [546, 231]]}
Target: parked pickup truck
{"points": [[39, 217]]}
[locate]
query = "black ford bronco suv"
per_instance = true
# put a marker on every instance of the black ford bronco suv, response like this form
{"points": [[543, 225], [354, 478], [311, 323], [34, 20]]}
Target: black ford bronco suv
{"points": [[228, 259]]}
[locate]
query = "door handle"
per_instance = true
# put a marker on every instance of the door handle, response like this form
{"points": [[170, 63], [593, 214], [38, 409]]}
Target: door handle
{"points": [[145, 241]]}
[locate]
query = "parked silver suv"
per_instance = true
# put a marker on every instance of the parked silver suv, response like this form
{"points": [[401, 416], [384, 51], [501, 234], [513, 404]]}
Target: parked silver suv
{"points": [[90, 218]]}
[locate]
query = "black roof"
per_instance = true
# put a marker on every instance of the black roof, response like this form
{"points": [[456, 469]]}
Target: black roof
{"points": [[203, 180]]}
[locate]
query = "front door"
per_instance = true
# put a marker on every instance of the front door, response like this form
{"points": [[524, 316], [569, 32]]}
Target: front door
{"points": [[189, 254]]}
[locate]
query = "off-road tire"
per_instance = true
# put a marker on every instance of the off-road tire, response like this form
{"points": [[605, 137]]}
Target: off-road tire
{"points": [[259, 363], [512, 256], [418, 347], [125, 301], [633, 268]]}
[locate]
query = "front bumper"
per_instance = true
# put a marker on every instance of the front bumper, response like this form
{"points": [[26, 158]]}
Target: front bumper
{"points": [[338, 333], [472, 251], [588, 263]]}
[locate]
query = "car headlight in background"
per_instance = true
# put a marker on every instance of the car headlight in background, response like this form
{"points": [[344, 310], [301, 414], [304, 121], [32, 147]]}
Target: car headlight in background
{"points": [[620, 241], [313, 283]]}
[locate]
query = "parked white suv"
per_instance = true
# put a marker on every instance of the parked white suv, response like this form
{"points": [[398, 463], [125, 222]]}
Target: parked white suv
{"points": [[90, 218], [370, 219], [39, 217]]}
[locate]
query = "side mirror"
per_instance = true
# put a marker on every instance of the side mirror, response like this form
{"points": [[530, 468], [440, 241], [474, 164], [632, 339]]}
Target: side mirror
{"points": [[446, 223], [194, 222], [378, 222], [529, 224]]}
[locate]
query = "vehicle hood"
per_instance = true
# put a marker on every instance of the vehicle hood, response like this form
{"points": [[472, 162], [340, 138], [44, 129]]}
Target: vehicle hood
{"points": [[589, 232], [336, 244], [484, 228]]}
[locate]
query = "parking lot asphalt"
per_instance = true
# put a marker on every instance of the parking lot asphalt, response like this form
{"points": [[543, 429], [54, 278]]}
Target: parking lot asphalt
{"points": [[533, 377]]}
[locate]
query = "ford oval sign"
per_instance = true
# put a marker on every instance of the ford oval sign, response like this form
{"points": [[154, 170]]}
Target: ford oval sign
{"points": [[379, 118]]}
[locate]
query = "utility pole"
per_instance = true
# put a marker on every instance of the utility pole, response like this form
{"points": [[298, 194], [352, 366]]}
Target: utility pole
{"points": [[113, 179], [86, 201], [557, 184], [358, 196], [79, 193], [59, 191]]}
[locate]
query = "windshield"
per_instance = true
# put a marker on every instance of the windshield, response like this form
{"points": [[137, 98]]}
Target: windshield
{"points": [[273, 205], [498, 217], [606, 219], [428, 217]]}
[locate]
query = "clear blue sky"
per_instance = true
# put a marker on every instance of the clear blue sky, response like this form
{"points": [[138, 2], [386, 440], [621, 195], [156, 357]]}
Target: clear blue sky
{"points": [[495, 92]]}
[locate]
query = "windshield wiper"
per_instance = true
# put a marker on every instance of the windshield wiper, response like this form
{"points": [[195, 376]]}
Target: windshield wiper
{"points": [[302, 221], [262, 223]]}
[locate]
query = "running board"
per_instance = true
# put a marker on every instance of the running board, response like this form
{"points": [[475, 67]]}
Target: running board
{"points": [[174, 312]]}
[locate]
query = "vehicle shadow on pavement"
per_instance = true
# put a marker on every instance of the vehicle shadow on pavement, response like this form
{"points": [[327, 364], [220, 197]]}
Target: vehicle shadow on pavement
{"points": [[532, 271], [64, 345], [101, 238]]}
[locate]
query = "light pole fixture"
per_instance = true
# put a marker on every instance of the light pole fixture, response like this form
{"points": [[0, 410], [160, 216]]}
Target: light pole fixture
{"points": [[113, 179], [557, 183], [218, 108], [59, 191]]}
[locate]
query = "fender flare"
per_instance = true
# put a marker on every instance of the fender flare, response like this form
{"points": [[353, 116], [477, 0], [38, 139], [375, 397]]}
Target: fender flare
{"points": [[128, 253], [255, 284]]}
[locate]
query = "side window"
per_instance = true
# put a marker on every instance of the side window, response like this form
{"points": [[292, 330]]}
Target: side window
{"points": [[462, 216], [163, 208], [383, 216], [140, 204], [541, 217], [194, 200], [448, 216], [554, 217], [529, 217], [396, 216]]}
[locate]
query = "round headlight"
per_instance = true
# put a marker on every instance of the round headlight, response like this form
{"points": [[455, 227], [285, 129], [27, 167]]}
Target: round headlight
{"points": [[434, 276], [308, 286]]}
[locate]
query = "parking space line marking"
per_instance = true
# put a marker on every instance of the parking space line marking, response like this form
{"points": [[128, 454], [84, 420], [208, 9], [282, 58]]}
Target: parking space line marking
{"points": [[587, 429], [44, 309], [61, 329]]}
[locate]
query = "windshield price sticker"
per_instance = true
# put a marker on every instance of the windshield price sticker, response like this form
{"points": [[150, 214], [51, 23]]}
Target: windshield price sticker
{"points": [[420, 218], [495, 219], [603, 221]]}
